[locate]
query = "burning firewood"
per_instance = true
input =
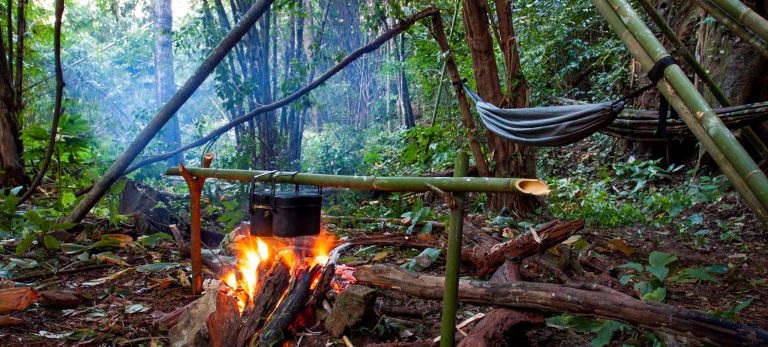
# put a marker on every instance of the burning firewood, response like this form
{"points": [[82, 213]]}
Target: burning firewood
{"points": [[273, 284]]}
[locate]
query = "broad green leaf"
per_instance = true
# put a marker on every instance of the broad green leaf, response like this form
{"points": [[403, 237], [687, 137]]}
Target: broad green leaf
{"points": [[606, 333], [51, 242], [153, 239], [38, 221], [659, 272], [698, 273], [657, 294], [657, 258], [427, 228], [24, 263], [11, 201], [575, 323], [625, 279], [70, 248], [26, 242], [720, 269]]}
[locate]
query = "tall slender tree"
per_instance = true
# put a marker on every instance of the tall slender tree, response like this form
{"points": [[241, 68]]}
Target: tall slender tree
{"points": [[165, 83], [11, 147], [509, 159]]}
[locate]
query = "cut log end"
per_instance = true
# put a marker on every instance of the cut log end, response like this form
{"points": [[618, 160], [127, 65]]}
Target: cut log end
{"points": [[532, 187]]}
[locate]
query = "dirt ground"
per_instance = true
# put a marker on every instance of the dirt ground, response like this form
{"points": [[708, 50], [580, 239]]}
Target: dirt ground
{"points": [[103, 318]]}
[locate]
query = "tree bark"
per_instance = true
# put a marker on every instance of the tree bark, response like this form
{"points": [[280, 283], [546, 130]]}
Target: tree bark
{"points": [[165, 83], [406, 109], [591, 300], [11, 167], [510, 159]]}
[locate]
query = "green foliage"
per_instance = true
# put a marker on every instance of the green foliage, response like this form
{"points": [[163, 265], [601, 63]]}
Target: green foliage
{"points": [[567, 49], [630, 192], [650, 279]]}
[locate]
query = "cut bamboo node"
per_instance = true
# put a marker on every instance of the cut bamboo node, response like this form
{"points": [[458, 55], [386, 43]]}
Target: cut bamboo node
{"points": [[531, 186]]}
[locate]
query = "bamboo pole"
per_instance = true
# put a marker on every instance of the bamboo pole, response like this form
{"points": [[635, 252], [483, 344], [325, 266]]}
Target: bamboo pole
{"points": [[411, 184], [704, 125], [750, 134], [453, 257], [746, 16], [742, 32]]}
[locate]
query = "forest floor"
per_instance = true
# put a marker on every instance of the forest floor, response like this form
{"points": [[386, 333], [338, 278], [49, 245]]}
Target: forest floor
{"points": [[137, 282], [120, 309]]}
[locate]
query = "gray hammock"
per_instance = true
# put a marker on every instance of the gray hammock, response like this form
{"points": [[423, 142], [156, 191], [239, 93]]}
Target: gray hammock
{"points": [[548, 126]]}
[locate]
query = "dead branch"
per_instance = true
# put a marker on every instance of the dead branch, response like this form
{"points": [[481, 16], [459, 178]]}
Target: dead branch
{"points": [[486, 260], [559, 298]]}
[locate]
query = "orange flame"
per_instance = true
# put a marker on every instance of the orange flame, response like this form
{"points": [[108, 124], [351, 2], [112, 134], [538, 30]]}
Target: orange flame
{"points": [[254, 253]]}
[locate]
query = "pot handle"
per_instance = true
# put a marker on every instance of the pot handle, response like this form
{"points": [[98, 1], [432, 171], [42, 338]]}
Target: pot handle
{"points": [[253, 186]]}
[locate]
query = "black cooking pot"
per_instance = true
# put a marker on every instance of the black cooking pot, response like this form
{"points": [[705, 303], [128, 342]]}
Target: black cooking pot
{"points": [[296, 214], [285, 214], [261, 213]]}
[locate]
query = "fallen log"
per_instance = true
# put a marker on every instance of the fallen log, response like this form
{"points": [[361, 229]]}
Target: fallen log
{"points": [[585, 300], [500, 323], [486, 259]]}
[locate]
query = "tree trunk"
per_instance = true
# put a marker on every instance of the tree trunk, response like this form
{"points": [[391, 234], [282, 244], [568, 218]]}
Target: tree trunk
{"points": [[510, 159], [405, 99], [165, 84], [11, 167], [267, 131]]}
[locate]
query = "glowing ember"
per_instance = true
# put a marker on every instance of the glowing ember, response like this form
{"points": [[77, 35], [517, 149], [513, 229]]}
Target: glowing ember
{"points": [[254, 254]]}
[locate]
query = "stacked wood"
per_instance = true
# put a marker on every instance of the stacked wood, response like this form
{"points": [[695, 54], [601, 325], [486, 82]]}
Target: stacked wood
{"points": [[592, 300]]}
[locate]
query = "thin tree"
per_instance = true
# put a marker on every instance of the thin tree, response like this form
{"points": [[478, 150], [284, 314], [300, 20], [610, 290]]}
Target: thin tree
{"points": [[165, 83], [57, 107], [11, 147], [510, 159]]}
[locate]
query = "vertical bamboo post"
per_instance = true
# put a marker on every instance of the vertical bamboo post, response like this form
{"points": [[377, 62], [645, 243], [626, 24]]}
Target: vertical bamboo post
{"points": [[195, 185], [750, 134], [683, 96], [742, 32], [453, 256], [746, 16]]}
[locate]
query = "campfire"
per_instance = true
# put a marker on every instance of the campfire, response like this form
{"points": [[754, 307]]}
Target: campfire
{"points": [[271, 290], [256, 257]]}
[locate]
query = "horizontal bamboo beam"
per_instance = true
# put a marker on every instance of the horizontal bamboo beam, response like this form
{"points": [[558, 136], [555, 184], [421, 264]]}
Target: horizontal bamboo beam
{"points": [[410, 184]]}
